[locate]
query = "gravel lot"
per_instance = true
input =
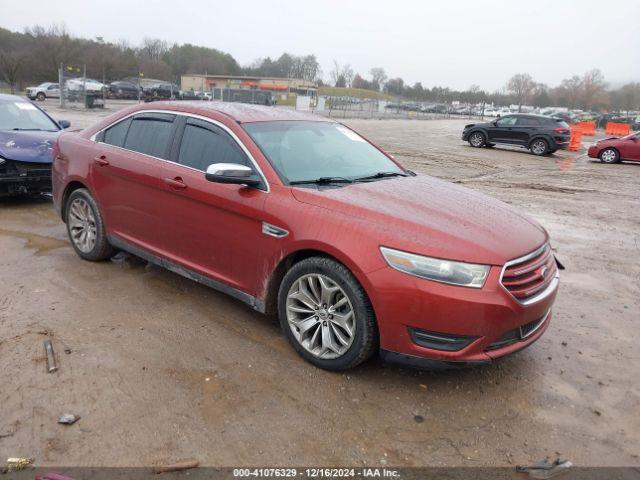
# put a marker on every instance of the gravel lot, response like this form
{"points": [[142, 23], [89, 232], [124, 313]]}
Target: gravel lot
{"points": [[161, 368]]}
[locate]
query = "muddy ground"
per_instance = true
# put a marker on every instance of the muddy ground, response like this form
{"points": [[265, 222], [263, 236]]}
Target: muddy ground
{"points": [[161, 368]]}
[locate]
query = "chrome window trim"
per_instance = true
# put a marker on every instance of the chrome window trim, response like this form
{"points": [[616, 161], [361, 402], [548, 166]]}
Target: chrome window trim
{"points": [[191, 115], [544, 293]]}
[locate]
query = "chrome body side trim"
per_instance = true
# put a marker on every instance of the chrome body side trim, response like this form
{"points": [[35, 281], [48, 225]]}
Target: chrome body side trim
{"points": [[253, 302]]}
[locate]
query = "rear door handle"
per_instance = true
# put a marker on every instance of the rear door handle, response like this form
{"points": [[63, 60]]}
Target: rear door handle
{"points": [[175, 183], [101, 160]]}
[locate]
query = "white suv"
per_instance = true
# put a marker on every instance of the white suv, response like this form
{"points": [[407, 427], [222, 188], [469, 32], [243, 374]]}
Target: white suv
{"points": [[44, 90]]}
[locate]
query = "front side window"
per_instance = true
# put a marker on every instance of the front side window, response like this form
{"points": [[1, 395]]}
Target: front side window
{"points": [[150, 133], [507, 121], [303, 150], [116, 134], [204, 143]]}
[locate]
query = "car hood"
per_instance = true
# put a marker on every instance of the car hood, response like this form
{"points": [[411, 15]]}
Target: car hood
{"points": [[26, 146], [432, 217]]}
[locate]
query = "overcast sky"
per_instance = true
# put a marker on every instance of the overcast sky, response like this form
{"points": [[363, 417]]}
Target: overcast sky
{"points": [[447, 43]]}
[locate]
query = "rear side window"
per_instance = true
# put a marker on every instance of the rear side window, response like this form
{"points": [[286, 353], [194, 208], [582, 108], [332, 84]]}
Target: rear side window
{"points": [[204, 143], [150, 134], [561, 123], [116, 134], [528, 121]]}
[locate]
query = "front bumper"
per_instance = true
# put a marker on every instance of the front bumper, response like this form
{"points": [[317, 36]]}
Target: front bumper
{"points": [[489, 315], [593, 151], [25, 182]]}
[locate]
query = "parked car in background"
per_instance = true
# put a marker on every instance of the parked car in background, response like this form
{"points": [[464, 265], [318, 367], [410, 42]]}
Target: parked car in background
{"points": [[160, 91], [614, 150], [566, 117], [80, 84], [122, 90], [540, 134], [27, 134], [43, 91], [299, 215]]}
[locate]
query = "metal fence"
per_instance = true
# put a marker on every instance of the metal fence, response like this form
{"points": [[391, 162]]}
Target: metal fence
{"points": [[78, 91]]}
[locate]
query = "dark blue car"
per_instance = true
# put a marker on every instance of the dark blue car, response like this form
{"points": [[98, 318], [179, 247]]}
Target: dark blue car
{"points": [[27, 134]]}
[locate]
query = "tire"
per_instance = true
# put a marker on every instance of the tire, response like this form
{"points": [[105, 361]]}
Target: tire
{"points": [[477, 139], [85, 227], [539, 147], [41, 96], [313, 327], [609, 155]]}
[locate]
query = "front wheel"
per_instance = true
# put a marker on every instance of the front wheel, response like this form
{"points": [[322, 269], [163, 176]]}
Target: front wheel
{"points": [[539, 147], [476, 139], [41, 97], [326, 315], [86, 228], [609, 155]]}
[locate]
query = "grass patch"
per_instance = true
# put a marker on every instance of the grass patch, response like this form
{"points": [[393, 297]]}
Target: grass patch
{"points": [[353, 92]]}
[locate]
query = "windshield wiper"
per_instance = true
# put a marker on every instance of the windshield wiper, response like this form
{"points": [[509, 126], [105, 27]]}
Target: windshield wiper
{"points": [[381, 175], [18, 129], [322, 181]]}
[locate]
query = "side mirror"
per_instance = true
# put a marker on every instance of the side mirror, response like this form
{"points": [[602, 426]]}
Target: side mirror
{"points": [[232, 173], [495, 124], [64, 123], [634, 139]]}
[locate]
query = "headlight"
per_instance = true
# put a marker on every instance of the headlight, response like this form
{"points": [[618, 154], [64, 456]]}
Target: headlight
{"points": [[437, 269]]}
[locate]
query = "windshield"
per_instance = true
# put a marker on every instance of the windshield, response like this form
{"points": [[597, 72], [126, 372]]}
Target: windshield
{"points": [[301, 150], [24, 116]]}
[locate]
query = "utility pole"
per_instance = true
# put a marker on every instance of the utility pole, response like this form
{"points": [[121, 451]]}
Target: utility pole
{"points": [[61, 85]]}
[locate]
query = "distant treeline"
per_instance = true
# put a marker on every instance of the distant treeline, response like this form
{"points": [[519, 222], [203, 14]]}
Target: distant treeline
{"points": [[35, 55]]}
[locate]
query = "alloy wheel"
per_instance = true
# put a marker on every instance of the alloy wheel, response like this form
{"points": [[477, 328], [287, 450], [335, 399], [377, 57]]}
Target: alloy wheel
{"points": [[608, 156], [476, 139], [82, 225], [539, 147], [320, 316]]}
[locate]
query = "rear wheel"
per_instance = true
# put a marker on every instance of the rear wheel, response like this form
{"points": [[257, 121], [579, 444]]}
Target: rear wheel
{"points": [[476, 139], [41, 96], [86, 228], [326, 314], [609, 155], [539, 147]]}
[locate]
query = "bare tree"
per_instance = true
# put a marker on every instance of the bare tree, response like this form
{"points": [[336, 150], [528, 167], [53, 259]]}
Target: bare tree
{"points": [[520, 86], [347, 73], [10, 64], [335, 73], [378, 77], [593, 89]]}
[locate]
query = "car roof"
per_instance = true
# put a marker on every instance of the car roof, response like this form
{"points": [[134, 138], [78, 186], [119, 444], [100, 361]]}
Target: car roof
{"points": [[240, 112]]}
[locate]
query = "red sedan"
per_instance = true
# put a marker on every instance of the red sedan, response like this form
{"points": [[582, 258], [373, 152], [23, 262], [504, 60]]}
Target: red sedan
{"points": [[300, 216], [613, 150]]}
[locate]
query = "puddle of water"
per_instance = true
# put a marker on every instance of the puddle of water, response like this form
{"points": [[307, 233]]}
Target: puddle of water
{"points": [[40, 243]]}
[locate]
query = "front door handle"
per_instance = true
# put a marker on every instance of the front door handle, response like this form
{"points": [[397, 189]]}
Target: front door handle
{"points": [[175, 183], [101, 160]]}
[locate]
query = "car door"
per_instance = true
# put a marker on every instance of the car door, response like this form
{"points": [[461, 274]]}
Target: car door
{"points": [[211, 228], [524, 129], [630, 148], [502, 130], [53, 91], [125, 173]]}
